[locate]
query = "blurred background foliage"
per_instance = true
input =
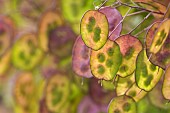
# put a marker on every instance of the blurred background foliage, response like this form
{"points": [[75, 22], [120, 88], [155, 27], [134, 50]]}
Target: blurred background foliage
{"points": [[26, 90]]}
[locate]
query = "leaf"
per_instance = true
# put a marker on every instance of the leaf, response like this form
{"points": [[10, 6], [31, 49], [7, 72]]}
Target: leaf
{"points": [[105, 62], [94, 29], [130, 47], [81, 58]]}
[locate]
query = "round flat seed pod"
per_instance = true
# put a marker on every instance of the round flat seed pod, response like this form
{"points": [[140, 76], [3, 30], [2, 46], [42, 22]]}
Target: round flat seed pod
{"points": [[32, 9], [160, 36], [127, 86], [122, 104], [114, 18], [98, 94], [94, 29], [24, 89], [25, 53], [61, 41], [136, 93], [123, 84], [105, 62], [6, 35], [87, 105], [130, 47], [147, 75], [50, 20], [166, 84], [167, 14], [161, 58], [73, 10], [81, 58], [5, 62], [57, 92], [151, 5]]}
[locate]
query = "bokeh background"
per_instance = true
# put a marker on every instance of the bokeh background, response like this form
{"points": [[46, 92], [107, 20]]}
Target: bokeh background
{"points": [[26, 79]]}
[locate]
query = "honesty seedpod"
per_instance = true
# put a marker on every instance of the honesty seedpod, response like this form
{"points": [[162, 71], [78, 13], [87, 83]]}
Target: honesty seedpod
{"points": [[50, 21], [130, 47], [147, 75], [81, 59], [166, 84], [127, 86], [6, 35], [57, 92], [161, 58], [160, 36], [24, 89], [105, 62], [25, 53], [122, 104], [5, 62], [94, 29], [124, 84], [61, 41], [114, 18]]}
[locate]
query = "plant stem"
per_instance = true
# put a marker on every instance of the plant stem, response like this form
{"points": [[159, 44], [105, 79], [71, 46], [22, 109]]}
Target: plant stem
{"points": [[140, 23], [135, 13], [120, 21], [102, 4], [140, 8]]}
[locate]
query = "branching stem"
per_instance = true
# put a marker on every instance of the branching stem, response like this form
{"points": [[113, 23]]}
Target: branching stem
{"points": [[140, 23], [120, 21]]}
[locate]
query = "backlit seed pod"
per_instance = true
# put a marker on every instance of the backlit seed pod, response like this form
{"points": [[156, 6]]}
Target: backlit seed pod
{"points": [[105, 62], [24, 89], [94, 29], [130, 47], [73, 11], [81, 58], [114, 18], [57, 92], [50, 20], [147, 75], [61, 41], [166, 84], [26, 54], [160, 36], [6, 34], [32, 9], [161, 58], [122, 104], [127, 86]]}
